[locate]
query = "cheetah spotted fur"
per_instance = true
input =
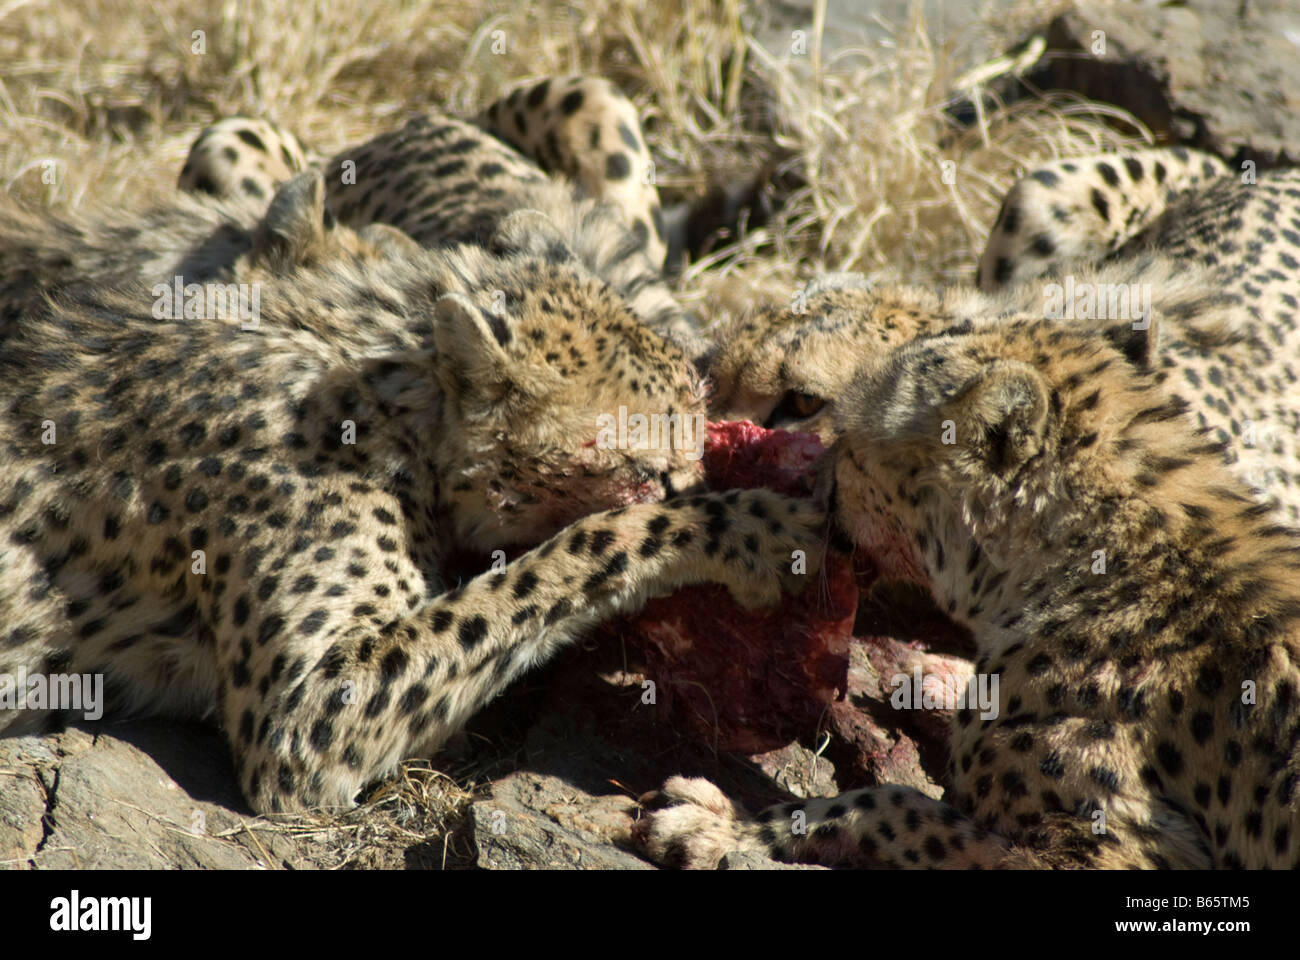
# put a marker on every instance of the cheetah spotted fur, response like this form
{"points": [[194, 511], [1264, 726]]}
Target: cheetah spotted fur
{"points": [[570, 147], [1219, 262], [1148, 714], [184, 510]]}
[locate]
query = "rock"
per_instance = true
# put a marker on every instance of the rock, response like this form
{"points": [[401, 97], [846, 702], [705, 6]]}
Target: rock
{"points": [[537, 822], [756, 861], [798, 771], [1219, 75], [146, 796]]}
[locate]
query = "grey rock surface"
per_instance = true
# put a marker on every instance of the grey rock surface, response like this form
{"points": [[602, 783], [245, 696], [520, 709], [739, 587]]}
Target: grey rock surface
{"points": [[536, 822], [143, 795], [1219, 75], [754, 861]]}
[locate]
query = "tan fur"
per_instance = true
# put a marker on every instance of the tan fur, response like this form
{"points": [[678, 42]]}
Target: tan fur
{"points": [[443, 180], [1148, 709], [1080, 209], [587, 130], [1223, 274], [242, 156], [254, 523]]}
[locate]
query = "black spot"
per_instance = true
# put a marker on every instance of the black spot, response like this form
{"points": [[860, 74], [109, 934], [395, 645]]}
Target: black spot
{"points": [[1170, 758], [571, 103], [1202, 726], [1014, 784], [537, 94], [498, 327], [472, 631], [192, 434], [1105, 777], [252, 139], [269, 628], [1052, 766], [1100, 203], [1209, 679], [312, 622], [413, 699], [617, 166], [322, 735], [393, 665]]}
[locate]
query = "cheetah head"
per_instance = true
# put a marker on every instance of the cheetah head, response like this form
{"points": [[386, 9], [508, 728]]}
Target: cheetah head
{"points": [[783, 366], [561, 401], [1003, 438]]}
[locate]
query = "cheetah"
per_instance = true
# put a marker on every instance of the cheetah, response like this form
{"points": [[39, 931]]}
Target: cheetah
{"points": [[243, 157], [1082, 209], [1218, 264], [784, 364], [199, 240], [250, 523], [1148, 711], [571, 147]]}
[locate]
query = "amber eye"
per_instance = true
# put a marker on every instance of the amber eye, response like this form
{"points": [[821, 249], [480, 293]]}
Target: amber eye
{"points": [[795, 405]]}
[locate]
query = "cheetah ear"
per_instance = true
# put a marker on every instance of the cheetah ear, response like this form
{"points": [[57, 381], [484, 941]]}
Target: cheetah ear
{"points": [[295, 223], [471, 342], [1003, 413], [532, 233], [1139, 341]]}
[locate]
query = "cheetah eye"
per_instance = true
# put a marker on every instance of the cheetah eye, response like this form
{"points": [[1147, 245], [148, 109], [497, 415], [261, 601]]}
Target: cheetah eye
{"points": [[795, 405]]}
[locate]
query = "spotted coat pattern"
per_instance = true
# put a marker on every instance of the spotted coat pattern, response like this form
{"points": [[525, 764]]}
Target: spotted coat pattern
{"points": [[1148, 712], [252, 522]]}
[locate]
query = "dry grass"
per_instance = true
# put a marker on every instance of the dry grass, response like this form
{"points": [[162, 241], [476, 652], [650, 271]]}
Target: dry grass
{"points": [[409, 821], [112, 91]]}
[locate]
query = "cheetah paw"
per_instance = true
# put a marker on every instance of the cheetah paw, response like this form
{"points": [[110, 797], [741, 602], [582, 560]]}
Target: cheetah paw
{"points": [[693, 827]]}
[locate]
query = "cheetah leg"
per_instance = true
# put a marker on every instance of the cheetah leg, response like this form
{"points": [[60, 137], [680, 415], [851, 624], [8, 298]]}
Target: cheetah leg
{"points": [[1078, 210], [382, 694], [239, 157], [585, 129], [879, 826], [888, 826]]}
